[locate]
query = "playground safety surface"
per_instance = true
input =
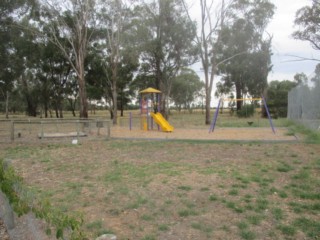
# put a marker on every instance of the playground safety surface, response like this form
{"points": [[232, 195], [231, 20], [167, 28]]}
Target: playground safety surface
{"points": [[219, 134]]}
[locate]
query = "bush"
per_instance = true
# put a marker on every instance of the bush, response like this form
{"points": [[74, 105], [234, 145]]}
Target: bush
{"points": [[247, 110]]}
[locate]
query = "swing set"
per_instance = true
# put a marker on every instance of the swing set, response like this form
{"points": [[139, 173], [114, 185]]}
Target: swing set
{"points": [[215, 117]]}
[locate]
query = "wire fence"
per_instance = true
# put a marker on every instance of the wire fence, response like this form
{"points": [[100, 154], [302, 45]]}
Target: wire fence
{"points": [[58, 129], [304, 106]]}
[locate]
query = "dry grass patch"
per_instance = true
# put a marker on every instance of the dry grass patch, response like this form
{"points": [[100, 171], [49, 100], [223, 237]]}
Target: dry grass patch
{"points": [[179, 190]]}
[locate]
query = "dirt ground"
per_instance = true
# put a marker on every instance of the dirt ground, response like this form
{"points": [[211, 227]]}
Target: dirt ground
{"points": [[246, 134]]}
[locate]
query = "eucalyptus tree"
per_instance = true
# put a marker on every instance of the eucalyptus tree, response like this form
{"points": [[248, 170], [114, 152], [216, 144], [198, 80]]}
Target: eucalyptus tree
{"points": [[99, 77], [166, 43], [300, 78], [73, 21], [54, 75], [186, 87], [308, 21], [213, 15], [244, 32], [10, 12], [117, 51], [316, 78], [26, 67], [277, 92]]}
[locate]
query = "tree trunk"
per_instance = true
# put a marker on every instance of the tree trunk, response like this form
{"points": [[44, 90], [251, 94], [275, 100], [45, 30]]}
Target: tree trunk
{"points": [[238, 95], [82, 95], [114, 94], [208, 100], [46, 110], [7, 104]]}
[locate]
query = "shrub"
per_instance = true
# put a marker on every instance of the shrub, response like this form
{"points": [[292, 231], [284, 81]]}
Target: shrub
{"points": [[247, 110]]}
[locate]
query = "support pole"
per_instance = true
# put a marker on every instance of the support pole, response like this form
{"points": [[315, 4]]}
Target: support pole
{"points": [[270, 120], [214, 120], [12, 131]]}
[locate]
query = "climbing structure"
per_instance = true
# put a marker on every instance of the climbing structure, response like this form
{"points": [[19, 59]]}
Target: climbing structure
{"points": [[150, 111]]}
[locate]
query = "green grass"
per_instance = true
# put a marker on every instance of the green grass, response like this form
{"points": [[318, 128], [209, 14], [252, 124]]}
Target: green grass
{"points": [[187, 213], [202, 227], [308, 226], [185, 188], [278, 214], [163, 227], [213, 198], [312, 137], [287, 230], [96, 225], [284, 167]]}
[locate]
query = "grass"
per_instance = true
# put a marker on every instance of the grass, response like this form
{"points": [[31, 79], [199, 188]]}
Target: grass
{"points": [[175, 189]]}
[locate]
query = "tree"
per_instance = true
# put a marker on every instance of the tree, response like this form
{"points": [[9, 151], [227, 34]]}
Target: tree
{"points": [[244, 33], [308, 21], [186, 88], [166, 36], [121, 57], [300, 78], [277, 97], [212, 20], [10, 12], [72, 21], [316, 78]]}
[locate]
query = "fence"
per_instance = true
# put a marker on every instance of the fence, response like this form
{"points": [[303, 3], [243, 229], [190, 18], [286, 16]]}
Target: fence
{"points": [[34, 130], [304, 106]]}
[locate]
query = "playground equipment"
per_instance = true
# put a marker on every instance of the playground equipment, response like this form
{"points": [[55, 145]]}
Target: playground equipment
{"points": [[150, 111], [215, 117]]}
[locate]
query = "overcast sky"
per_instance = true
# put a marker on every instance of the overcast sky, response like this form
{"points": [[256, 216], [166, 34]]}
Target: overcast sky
{"points": [[281, 27]]}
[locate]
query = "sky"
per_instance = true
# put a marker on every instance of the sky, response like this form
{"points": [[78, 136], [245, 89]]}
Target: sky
{"points": [[281, 28]]}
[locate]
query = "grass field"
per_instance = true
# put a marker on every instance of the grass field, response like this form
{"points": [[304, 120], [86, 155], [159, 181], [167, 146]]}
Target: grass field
{"points": [[178, 190]]}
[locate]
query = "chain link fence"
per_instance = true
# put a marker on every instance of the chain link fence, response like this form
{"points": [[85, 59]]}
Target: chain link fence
{"points": [[304, 106]]}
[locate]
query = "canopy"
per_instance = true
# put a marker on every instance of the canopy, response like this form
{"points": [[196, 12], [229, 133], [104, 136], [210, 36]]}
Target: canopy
{"points": [[150, 90]]}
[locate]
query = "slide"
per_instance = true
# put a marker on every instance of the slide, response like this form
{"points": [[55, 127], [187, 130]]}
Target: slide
{"points": [[162, 122]]}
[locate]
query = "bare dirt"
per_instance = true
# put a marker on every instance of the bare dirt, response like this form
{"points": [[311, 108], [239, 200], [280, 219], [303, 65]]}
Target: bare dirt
{"points": [[246, 134]]}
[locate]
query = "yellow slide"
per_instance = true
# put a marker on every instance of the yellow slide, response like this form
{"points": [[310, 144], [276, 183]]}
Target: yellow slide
{"points": [[162, 122]]}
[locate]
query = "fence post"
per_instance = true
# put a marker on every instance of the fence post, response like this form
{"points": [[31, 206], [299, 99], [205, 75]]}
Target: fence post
{"points": [[12, 131], [41, 129], [130, 120], [78, 127], [109, 131]]}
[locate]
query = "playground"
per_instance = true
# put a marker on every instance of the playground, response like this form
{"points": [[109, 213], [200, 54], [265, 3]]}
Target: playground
{"points": [[240, 180], [154, 126]]}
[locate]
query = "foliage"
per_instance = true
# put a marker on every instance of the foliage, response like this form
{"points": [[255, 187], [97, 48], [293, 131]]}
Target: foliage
{"points": [[316, 78], [246, 111], [277, 97], [9, 183], [67, 226], [300, 78], [185, 88], [308, 21], [166, 43], [248, 52], [311, 136]]}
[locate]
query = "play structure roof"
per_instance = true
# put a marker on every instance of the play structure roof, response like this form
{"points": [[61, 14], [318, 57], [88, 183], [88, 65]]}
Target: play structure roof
{"points": [[150, 90]]}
